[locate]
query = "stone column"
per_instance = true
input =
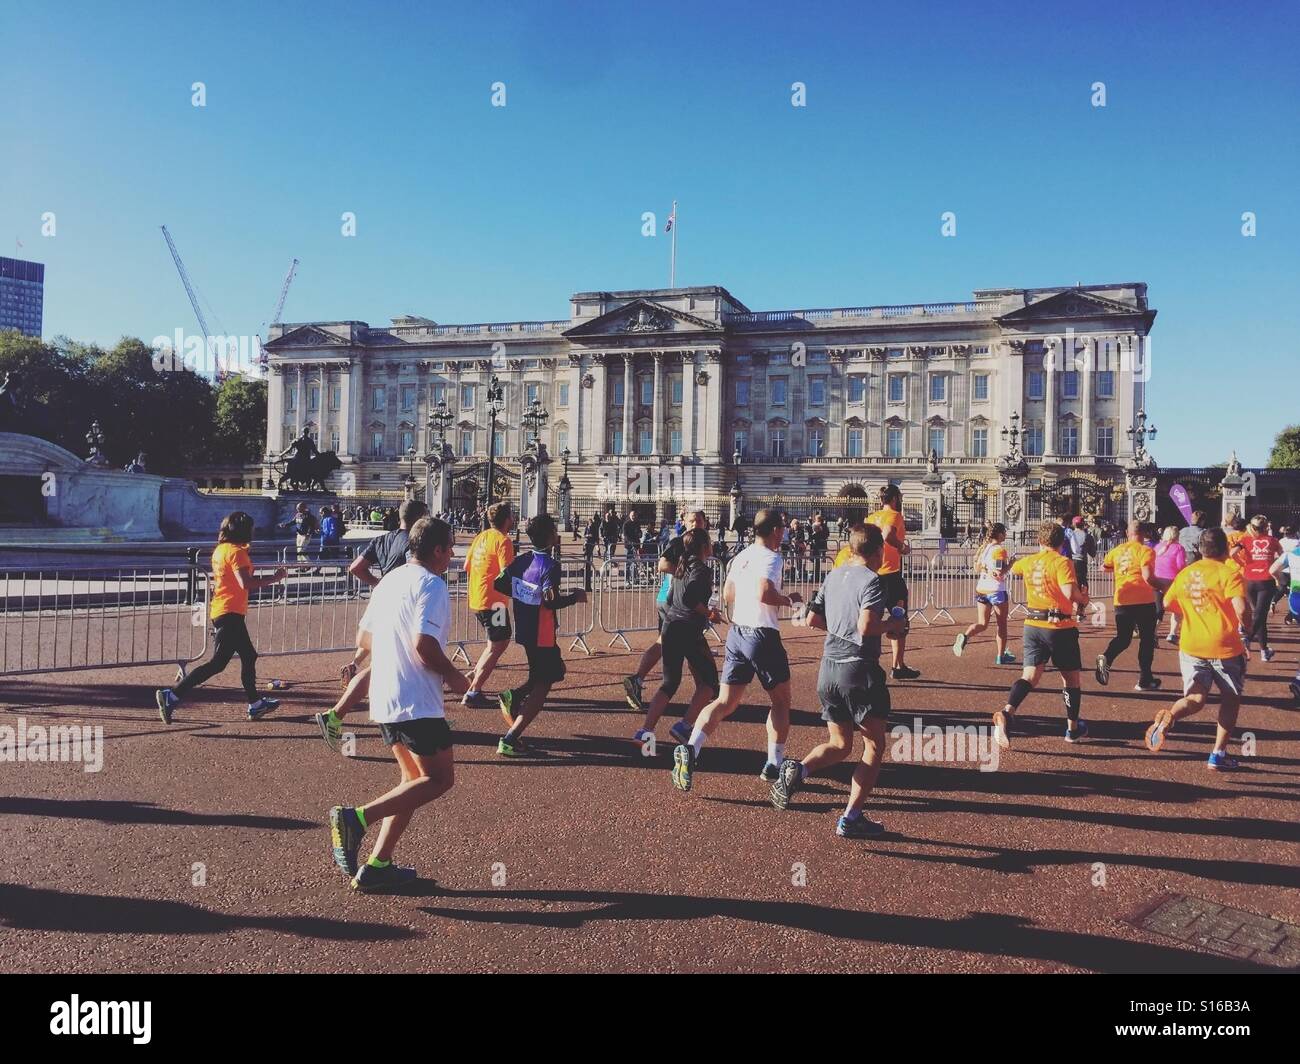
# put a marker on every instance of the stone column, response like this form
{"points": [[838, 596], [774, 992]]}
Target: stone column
{"points": [[301, 398], [438, 481], [712, 395], [657, 414], [1087, 372], [1012, 504], [873, 439], [1049, 403], [689, 371], [575, 405], [629, 403], [532, 491], [598, 405], [1233, 487], [345, 409], [1125, 386], [837, 403], [275, 410], [1140, 484], [931, 505]]}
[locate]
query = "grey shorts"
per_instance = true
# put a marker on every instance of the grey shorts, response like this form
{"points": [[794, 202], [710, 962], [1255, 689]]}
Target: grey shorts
{"points": [[755, 652], [1227, 674], [852, 691]]}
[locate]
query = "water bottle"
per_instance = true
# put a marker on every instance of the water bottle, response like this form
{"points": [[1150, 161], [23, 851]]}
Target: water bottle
{"points": [[277, 685]]}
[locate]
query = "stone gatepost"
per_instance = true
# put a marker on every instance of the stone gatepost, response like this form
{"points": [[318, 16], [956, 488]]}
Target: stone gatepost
{"points": [[533, 483], [931, 505], [438, 480], [1233, 487], [1140, 487], [1013, 505]]}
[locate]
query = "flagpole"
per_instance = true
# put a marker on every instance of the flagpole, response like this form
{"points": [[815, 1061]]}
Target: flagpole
{"points": [[672, 273]]}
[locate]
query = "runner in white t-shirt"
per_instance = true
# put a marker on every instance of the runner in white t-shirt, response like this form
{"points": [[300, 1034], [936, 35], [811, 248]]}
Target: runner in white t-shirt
{"points": [[405, 631], [992, 563], [753, 595]]}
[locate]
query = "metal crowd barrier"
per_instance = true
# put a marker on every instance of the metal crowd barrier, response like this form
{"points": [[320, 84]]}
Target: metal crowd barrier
{"points": [[74, 619]]}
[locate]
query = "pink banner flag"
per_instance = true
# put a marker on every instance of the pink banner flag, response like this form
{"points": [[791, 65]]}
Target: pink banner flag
{"points": [[1183, 501]]}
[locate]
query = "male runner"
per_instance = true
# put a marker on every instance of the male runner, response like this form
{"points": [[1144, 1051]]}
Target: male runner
{"points": [[1133, 563], [889, 519], [489, 555]]}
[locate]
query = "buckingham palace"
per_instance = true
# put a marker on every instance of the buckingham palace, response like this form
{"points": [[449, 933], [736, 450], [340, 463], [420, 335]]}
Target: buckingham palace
{"points": [[818, 402]]}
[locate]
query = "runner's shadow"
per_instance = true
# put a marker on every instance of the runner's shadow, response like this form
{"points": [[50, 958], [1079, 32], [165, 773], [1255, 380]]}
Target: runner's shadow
{"points": [[121, 812]]}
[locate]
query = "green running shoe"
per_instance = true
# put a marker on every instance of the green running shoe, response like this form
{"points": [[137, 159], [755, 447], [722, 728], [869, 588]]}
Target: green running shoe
{"points": [[331, 729], [346, 833], [683, 766]]}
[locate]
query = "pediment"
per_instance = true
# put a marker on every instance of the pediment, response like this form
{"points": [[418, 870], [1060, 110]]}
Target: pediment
{"points": [[306, 336], [642, 317], [1074, 304]]}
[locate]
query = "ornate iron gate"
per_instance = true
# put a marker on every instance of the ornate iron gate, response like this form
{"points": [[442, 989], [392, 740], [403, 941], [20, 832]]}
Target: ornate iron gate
{"points": [[967, 504]]}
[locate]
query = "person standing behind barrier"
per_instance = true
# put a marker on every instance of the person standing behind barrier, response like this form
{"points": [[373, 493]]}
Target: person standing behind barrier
{"points": [[686, 616], [610, 530], [1082, 546], [631, 546], [889, 519], [331, 534], [304, 527], [1258, 551], [753, 594], [232, 580], [405, 627], [532, 580], [1051, 632], [1133, 564], [851, 685], [799, 550], [1171, 559], [819, 538], [668, 563], [592, 539], [489, 554], [992, 563]]}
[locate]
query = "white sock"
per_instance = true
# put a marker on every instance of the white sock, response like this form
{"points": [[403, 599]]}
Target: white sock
{"points": [[471, 692], [775, 752], [697, 739]]}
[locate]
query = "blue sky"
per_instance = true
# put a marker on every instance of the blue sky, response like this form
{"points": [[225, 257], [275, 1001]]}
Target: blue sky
{"points": [[466, 212]]}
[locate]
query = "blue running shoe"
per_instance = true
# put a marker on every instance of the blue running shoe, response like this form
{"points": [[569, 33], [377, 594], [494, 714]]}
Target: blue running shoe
{"points": [[346, 834], [860, 827], [262, 707], [167, 702], [1080, 731], [1222, 761], [1005, 658], [681, 731]]}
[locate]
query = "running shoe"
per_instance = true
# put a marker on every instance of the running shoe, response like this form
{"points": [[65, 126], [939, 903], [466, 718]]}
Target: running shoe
{"points": [[860, 827], [1289, 619], [683, 767], [632, 692], [1171, 639], [1268, 653], [1078, 732], [681, 731], [1151, 683], [478, 700], [642, 734], [167, 701], [505, 699], [346, 833], [1002, 729], [262, 707], [331, 729], [386, 880], [347, 672], [1222, 761], [902, 672], [788, 780], [515, 748], [1160, 728], [1102, 671], [959, 644], [771, 773], [1005, 658]]}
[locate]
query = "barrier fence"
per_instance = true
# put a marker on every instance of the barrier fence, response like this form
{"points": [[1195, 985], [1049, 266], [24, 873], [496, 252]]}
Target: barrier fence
{"points": [[65, 620]]}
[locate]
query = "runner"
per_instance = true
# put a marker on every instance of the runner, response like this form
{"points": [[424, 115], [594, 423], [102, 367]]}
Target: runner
{"points": [[1051, 632], [1081, 546], [1171, 559], [304, 527], [405, 628], [1211, 599], [686, 615], [1189, 538], [1289, 563], [1133, 564], [850, 606], [889, 519], [1258, 551], [232, 580], [489, 555], [668, 563], [992, 561], [1288, 543], [753, 594], [532, 580]]}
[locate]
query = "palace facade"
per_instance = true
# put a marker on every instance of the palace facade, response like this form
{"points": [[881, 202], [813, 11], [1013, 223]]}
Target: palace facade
{"points": [[687, 380]]}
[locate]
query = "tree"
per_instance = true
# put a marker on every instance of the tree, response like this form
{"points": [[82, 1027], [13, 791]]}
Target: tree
{"points": [[241, 418], [1286, 449]]}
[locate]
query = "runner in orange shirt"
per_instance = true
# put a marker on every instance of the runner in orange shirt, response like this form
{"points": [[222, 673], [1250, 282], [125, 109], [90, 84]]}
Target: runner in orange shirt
{"points": [[889, 519], [1051, 632], [489, 555], [1133, 563], [1211, 600]]}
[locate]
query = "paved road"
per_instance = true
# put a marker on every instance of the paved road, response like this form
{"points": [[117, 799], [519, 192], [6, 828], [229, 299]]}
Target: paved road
{"points": [[1032, 867]]}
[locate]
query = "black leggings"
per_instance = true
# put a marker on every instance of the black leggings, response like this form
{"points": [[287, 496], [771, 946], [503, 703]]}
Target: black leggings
{"points": [[1127, 618], [1260, 595], [683, 641], [232, 639]]}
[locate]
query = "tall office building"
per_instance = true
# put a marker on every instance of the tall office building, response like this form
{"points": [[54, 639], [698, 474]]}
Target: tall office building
{"points": [[22, 295]]}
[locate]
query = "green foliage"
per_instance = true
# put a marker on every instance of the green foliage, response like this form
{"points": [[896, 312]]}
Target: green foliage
{"points": [[241, 418], [1286, 449]]}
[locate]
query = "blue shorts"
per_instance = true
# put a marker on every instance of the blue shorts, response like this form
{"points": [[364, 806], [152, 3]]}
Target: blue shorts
{"points": [[755, 651], [993, 598], [1293, 601]]}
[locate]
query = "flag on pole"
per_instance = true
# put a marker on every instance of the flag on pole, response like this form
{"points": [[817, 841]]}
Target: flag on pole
{"points": [[668, 228]]}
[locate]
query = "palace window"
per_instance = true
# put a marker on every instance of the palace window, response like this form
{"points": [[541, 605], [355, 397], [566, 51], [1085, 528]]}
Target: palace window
{"points": [[1070, 384], [499, 442], [816, 440], [616, 441], [676, 391], [467, 396], [291, 400], [645, 440], [562, 394], [377, 443], [855, 443], [408, 440], [334, 440], [617, 399], [1106, 384], [980, 387], [741, 443], [1034, 384], [408, 397], [938, 388], [979, 443], [561, 440], [377, 398], [778, 391], [817, 391], [1070, 438], [857, 389], [894, 443], [1106, 441], [742, 393], [675, 441], [895, 387], [439, 392], [1034, 438], [778, 443], [466, 442], [938, 440], [647, 391], [313, 398], [532, 393]]}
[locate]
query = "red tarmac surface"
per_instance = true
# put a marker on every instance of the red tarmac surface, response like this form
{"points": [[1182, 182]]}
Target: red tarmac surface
{"points": [[607, 868]]}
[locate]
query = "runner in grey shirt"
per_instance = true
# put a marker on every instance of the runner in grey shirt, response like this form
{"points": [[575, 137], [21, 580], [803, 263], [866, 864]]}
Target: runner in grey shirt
{"points": [[1189, 538], [851, 607]]}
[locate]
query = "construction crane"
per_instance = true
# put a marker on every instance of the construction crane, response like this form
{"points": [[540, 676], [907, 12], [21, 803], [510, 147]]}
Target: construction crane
{"points": [[284, 291], [189, 288]]}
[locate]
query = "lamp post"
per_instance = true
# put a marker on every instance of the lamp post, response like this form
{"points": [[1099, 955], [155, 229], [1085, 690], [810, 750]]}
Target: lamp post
{"points": [[439, 421], [1011, 436], [534, 418], [410, 472], [1139, 434], [495, 396]]}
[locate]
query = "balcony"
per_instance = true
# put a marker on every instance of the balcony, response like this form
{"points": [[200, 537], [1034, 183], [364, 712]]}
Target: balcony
{"points": [[983, 308]]}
